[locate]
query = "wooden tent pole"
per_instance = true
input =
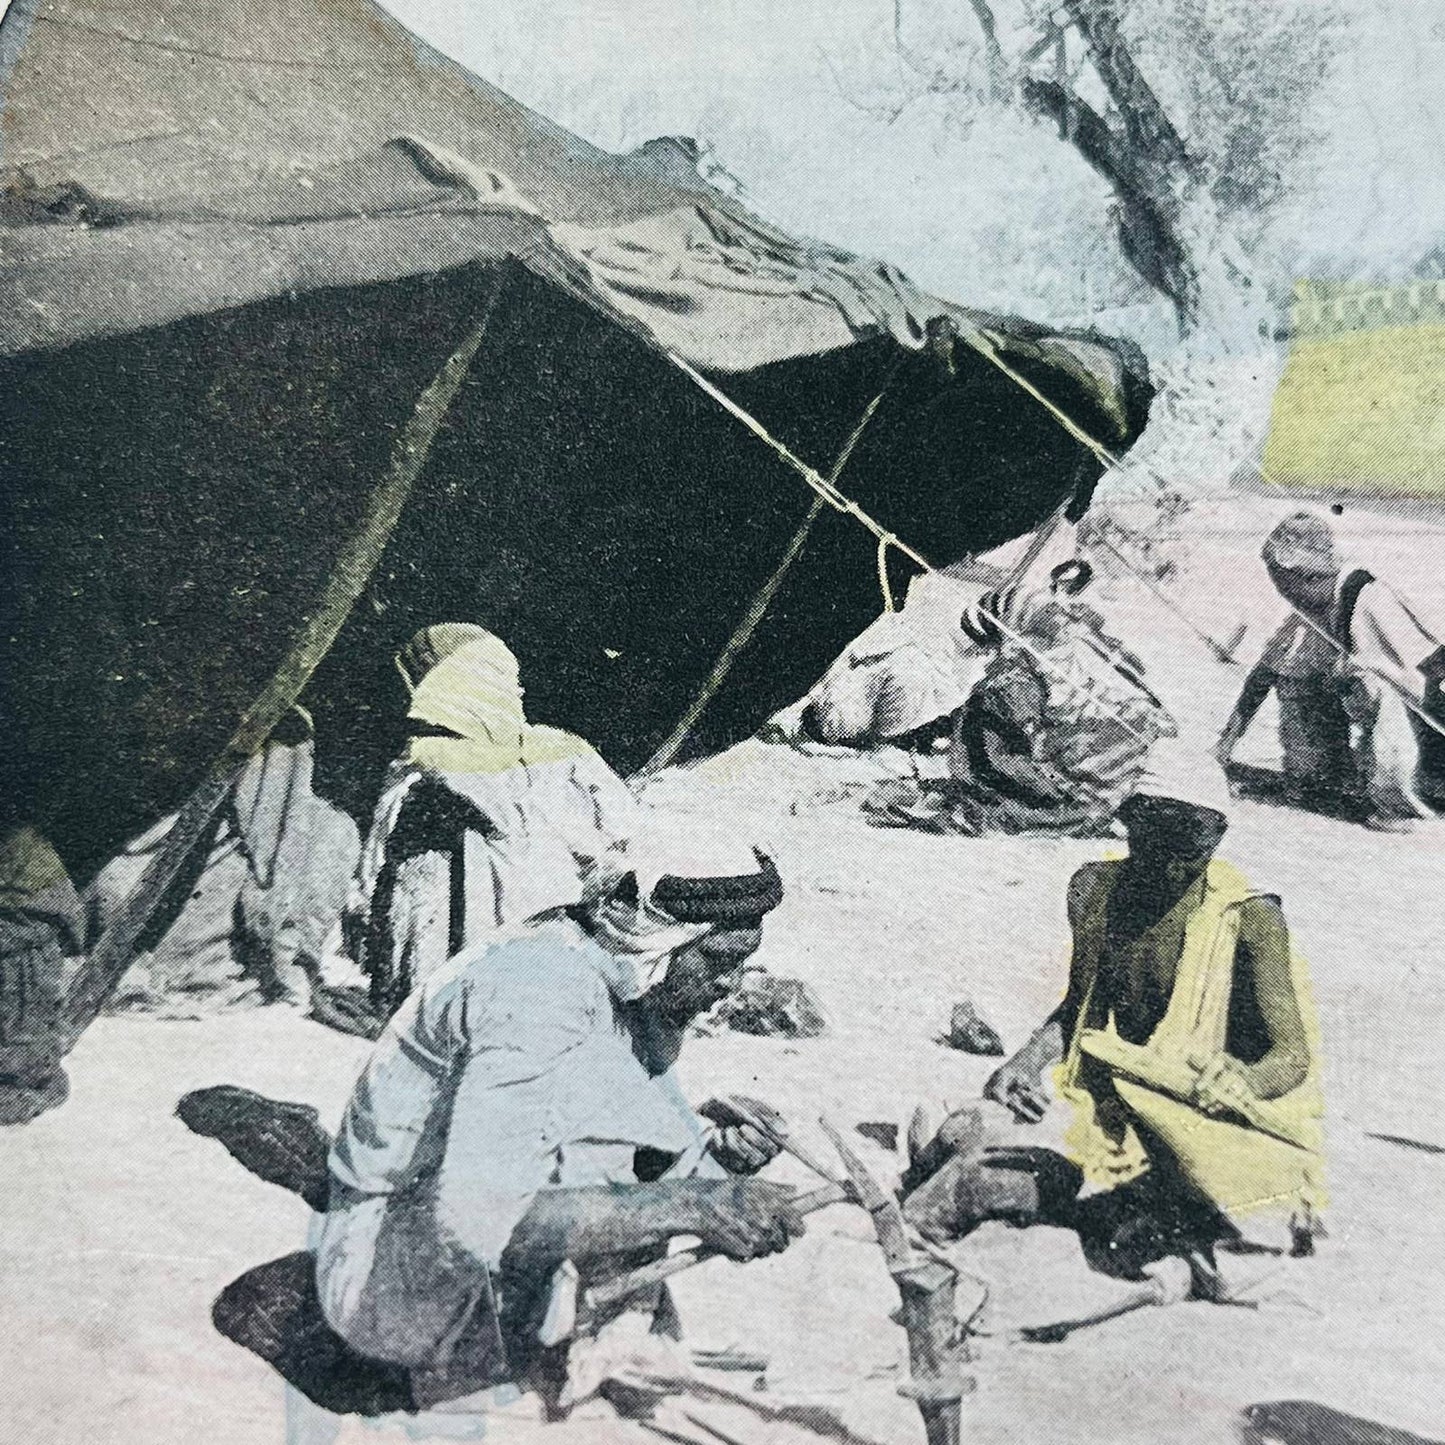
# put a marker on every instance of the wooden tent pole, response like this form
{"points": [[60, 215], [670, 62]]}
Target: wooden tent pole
{"points": [[115, 949], [742, 634]]}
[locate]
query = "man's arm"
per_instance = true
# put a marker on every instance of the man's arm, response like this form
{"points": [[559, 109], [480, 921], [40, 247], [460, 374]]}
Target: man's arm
{"points": [[741, 1219], [1263, 931], [1018, 1084], [1285, 1064], [1258, 684]]}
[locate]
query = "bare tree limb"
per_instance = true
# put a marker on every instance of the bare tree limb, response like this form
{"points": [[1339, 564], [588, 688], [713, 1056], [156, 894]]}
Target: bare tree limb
{"points": [[1148, 127], [1148, 213], [997, 66]]}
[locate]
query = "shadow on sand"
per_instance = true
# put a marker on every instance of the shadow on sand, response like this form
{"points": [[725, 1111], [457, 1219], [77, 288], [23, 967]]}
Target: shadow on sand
{"points": [[274, 1310]]}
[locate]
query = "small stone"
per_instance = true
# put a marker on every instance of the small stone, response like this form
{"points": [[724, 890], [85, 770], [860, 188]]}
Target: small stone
{"points": [[771, 1007], [972, 1034]]}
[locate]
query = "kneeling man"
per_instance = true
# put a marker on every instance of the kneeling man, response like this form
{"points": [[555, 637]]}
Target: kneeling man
{"points": [[519, 1111]]}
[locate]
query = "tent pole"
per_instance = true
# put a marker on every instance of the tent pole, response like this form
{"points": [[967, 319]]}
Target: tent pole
{"points": [[115, 949], [743, 633]]}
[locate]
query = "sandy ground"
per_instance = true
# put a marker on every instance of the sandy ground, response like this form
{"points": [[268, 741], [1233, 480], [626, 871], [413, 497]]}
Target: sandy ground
{"points": [[120, 1227]]}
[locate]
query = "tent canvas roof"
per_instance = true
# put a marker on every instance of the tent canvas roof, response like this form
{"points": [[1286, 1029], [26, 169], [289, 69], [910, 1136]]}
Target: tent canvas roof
{"points": [[238, 241]]}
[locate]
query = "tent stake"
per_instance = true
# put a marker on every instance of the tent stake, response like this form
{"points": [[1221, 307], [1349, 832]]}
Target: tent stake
{"points": [[115, 949]]}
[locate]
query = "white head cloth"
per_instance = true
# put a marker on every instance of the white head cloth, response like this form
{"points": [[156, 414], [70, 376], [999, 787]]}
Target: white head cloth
{"points": [[640, 932]]}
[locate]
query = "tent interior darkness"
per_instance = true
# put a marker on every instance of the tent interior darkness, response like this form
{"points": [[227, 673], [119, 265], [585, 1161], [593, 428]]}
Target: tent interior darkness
{"points": [[583, 499]]}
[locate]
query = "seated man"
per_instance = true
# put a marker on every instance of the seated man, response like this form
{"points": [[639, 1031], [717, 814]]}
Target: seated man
{"points": [[519, 1112], [484, 820], [1186, 1058], [262, 897]]}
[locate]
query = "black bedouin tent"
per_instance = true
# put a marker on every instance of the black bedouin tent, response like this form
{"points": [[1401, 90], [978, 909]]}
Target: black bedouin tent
{"points": [[237, 244]]}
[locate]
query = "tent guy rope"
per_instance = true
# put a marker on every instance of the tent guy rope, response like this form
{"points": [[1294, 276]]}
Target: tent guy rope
{"points": [[743, 632], [829, 493]]}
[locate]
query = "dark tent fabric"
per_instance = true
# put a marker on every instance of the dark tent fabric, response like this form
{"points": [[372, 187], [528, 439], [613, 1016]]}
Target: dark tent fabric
{"points": [[236, 243]]}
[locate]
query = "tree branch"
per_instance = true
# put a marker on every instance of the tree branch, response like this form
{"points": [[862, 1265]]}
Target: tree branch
{"points": [[998, 70], [1148, 127], [1109, 153], [1148, 212]]}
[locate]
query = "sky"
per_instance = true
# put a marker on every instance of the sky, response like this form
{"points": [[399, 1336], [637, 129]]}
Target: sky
{"points": [[781, 89]]}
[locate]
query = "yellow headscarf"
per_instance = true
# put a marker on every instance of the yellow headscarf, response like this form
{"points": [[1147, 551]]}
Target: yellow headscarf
{"points": [[464, 680]]}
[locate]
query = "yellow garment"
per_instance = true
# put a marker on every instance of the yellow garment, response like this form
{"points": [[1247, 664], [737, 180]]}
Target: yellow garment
{"points": [[429, 646], [29, 866], [1271, 1160], [472, 692]]}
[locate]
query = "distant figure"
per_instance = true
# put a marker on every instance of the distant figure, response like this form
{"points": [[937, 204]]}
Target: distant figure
{"points": [[41, 928], [484, 820], [1358, 675], [249, 925], [521, 1111], [1057, 733], [1185, 1057]]}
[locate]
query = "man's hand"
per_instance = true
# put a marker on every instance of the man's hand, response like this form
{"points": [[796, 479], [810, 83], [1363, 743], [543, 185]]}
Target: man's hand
{"points": [[747, 1218], [1223, 1087], [747, 1136], [1019, 1087]]}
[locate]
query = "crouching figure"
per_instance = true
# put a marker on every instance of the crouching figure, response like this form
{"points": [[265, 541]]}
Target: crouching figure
{"points": [[520, 1112]]}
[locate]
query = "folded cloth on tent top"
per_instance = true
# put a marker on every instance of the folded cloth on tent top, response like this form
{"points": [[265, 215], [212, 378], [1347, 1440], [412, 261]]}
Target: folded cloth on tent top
{"points": [[667, 269]]}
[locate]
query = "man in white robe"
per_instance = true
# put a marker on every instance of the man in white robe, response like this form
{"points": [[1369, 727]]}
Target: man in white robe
{"points": [[486, 819], [519, 1111]]}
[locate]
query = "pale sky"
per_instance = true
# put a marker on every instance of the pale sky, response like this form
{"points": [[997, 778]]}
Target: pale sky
{"points": [[964, 214]]}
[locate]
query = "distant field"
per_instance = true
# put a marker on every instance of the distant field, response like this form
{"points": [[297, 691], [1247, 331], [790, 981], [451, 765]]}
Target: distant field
{"points": [[1361, 404]]}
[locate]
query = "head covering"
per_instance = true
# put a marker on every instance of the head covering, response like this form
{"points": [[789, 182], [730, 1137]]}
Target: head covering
{"points": [[737, 900], [679, 884], [1170, 825], [1302, 542], [429, 646], [466, 700]]}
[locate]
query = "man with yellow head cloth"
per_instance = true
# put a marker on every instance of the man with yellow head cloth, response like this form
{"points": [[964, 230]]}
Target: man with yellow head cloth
{"points": [[484, 820]]}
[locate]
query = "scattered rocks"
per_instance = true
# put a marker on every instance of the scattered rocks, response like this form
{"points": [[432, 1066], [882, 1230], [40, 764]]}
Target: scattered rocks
{"points": [[971, 1034], [772, 1007]]}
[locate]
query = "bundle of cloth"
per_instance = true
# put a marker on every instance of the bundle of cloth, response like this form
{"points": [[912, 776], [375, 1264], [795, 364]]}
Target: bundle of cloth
{"points": [[1056, 732], [899, 681]]}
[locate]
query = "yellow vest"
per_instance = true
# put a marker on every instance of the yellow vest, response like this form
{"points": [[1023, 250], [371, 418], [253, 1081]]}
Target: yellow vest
{"points": [[1268, 1159]]}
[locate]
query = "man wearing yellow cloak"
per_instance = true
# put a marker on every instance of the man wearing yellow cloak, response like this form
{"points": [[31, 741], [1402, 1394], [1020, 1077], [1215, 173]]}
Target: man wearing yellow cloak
{"points": [[1187, 1051]]}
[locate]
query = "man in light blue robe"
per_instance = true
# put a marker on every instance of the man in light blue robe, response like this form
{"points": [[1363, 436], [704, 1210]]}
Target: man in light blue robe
{"points": [[519, 1111]]}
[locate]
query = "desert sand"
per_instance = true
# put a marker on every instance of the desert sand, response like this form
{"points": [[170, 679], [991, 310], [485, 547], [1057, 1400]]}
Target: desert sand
{"points": [[120, 1227]]}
